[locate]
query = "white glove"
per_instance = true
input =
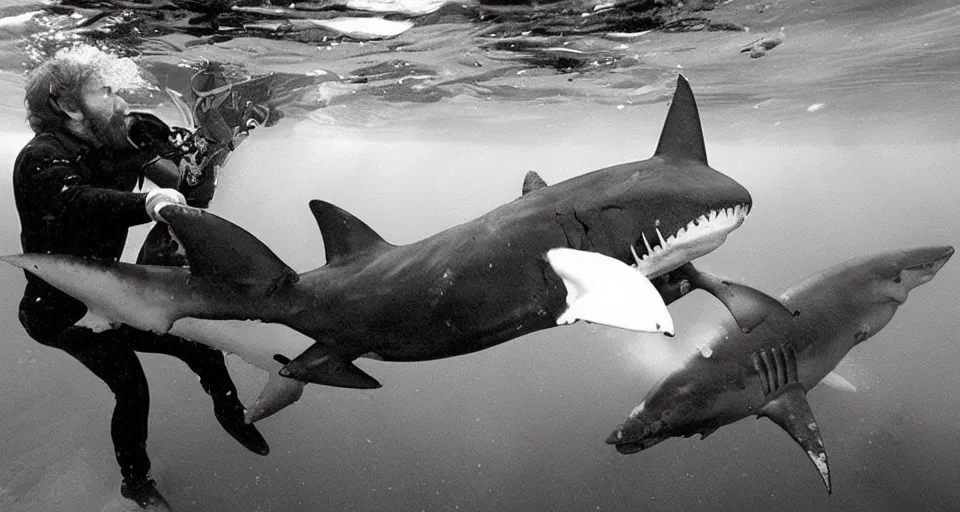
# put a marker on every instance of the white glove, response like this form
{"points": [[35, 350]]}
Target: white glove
{"points": [[160, 197]]}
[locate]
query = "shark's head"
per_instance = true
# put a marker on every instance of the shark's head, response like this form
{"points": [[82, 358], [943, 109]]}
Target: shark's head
{"points": [[870, 289], [677, 406], [669, 209]]}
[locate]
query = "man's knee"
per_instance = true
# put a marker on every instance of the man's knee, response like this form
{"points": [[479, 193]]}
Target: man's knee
{"points": [[45, 319]]}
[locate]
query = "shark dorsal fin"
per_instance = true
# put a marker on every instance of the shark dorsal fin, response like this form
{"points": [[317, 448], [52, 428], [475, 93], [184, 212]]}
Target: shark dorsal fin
{"points": [[787, 404], [682, 136], [218, 248], [532, 181], [344, 235]]}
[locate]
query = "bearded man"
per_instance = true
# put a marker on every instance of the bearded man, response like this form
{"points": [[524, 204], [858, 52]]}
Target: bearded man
{"points": [[73, 184]]}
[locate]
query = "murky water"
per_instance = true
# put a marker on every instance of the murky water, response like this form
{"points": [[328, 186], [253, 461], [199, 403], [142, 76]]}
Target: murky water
{"points": [[845, 135]]}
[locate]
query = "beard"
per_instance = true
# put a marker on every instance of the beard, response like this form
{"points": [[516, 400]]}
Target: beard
{"points": [[110, 132]]}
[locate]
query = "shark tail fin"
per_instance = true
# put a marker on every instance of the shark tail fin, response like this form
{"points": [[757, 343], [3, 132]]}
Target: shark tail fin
{"points": [[682, 135], [218, 248], [787, 404], [344, 235]]}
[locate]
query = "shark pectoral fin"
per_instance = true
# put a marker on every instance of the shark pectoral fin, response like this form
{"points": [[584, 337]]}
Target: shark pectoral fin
{"points": [[787, 404], [603, 290], [320, 366], [749, 306], [792, 412], [532, 181], [836, 381], [278, 393]]}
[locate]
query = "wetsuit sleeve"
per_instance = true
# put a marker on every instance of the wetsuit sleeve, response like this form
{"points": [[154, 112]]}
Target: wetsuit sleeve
{"points": [[74, 202]]}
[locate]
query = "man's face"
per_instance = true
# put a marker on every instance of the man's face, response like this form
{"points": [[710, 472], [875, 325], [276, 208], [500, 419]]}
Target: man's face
{"points": [[104, 114]]}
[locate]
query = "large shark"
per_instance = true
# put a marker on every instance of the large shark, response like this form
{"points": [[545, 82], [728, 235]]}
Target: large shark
{"points": [[767, 372], [585, 248]]}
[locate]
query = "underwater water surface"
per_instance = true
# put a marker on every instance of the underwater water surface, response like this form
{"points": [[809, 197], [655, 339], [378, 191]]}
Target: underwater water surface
{"points": [[845, 134]]}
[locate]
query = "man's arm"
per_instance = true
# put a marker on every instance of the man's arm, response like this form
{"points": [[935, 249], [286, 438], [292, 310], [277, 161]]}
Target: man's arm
{"points": [[56, 187], [76, 203]]}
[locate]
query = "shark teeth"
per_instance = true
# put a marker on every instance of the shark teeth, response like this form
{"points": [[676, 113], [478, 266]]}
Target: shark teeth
{"points": [[698, 237]]}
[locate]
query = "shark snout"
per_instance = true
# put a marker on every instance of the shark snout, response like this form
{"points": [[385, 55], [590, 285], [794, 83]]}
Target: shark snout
{"points": [[932, 258], [918, 266], [636, 434]]}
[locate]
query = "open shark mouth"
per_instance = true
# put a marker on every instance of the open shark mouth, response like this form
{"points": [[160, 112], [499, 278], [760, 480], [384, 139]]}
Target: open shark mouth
{"points": [[699, 237]]}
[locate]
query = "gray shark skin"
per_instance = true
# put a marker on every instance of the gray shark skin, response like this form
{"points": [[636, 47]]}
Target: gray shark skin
{"points": [[465, 289], [767, 372]]}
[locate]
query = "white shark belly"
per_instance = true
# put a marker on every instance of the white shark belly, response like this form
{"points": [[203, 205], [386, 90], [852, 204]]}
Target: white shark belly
{"points": [[255, 342]]}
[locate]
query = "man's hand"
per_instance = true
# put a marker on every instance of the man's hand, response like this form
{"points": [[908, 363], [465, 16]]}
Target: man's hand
{"points": [[159, 197]]}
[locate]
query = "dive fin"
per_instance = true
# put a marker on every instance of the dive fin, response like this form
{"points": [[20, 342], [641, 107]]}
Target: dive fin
{"points": [[787, 404], [278, 393], [344, 235], [218, 248], [836, 381], [532, 181], [604, 290], [319, 366], [749, 306], [682, 135]]}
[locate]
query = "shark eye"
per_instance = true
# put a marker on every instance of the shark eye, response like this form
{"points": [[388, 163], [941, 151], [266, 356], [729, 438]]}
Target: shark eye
{"points": [[897, 279]]}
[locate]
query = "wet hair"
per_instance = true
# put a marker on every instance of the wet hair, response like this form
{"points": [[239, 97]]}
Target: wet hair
{"points": [[63, 77]]}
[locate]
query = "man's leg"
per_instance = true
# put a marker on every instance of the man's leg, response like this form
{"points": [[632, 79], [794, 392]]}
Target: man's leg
{"points": [[117, 365], [49, 321], [209, 365]]}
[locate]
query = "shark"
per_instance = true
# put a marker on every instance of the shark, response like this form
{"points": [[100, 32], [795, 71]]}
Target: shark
{"points": [[798, 340], [601, 247]]}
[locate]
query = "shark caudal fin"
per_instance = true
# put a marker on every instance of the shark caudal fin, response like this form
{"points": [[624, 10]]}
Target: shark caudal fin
{"points": [[217, 248], [344, 236], [682, 135], [604, 290], [787, 404]]}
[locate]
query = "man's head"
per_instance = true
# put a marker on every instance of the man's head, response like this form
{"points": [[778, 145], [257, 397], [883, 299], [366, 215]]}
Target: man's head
{"points": [[76, 89]]}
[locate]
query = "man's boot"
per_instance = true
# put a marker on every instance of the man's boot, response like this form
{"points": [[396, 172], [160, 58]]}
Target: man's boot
{"points": [[145, 493]]}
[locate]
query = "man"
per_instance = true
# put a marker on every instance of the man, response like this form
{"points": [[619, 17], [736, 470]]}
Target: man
{"points": [[73, 185]]}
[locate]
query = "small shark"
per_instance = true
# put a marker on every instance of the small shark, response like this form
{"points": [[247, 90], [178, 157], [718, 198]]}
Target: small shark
{"points": [[585, 248], [802, 337]]}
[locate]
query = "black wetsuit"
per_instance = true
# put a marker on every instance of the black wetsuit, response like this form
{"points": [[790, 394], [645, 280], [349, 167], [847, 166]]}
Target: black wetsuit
{"points": [[75, 200]]}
